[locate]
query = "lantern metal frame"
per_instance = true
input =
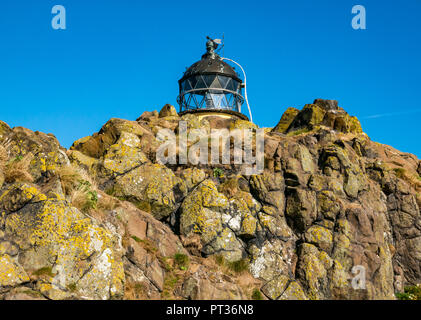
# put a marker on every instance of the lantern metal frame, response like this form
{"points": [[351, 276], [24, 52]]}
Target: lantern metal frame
{"points": [[197, 98], [210, 85]]}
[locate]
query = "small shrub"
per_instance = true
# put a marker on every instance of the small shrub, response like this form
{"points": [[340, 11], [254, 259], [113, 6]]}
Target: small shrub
{"points": [[84, 185], [92, 199], [402, 296], [256, 295], [218, 172], [182, 260], [410, 293]]}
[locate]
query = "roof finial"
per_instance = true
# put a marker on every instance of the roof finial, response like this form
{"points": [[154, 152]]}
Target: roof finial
{"points": [[211, 46]]}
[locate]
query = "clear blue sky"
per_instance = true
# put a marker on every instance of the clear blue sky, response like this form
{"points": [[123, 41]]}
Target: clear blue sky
{"points": [[120, 58]]}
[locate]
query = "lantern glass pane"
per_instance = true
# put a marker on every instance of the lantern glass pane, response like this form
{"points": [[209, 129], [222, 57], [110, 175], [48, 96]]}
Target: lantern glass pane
{"points": [[215, 83], [208, 79], [235, 85], [200, 83], [220, 101], [186, 85], [230, 84], [223, 81], [192, 81]]}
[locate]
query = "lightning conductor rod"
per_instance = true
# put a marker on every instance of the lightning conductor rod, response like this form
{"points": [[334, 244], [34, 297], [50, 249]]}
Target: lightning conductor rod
{"points": [[245, 86]]}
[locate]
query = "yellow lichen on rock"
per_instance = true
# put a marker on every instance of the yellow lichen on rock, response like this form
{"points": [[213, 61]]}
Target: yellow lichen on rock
{"points": [[319, 236], [124, 155], [286, 120], [11, 273], [243, 124], [62, 234], [150, 184]]}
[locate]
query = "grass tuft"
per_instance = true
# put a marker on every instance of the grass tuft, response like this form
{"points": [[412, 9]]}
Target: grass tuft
{"points": [[400, 172], [256, 295], [72, 287], [135, 291], [239, 266], [17, 169], [219, 259], [298, 132], [182, 261], [83, 191], [44, 271], [136, 239]]}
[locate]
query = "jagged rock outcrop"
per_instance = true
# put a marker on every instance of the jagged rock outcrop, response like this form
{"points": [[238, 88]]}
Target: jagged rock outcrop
{"points": [[47, 246], [105, 219], [313, 116]]}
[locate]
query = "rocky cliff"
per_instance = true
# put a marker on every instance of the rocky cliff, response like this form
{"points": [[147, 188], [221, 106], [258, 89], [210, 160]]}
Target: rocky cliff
{"points": [[105, 220]]}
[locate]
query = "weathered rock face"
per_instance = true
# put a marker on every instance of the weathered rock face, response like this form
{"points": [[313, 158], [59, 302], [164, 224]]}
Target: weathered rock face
{"points": [[46, 245], [313, 116], [55, 248], [286, 120], [332, 216]]}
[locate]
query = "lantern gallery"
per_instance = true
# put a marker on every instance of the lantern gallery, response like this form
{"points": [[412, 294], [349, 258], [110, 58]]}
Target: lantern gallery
{"points": [[211, 85]]}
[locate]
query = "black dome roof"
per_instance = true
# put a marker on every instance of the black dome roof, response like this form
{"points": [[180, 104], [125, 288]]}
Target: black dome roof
{"points": [[211, 63]]}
